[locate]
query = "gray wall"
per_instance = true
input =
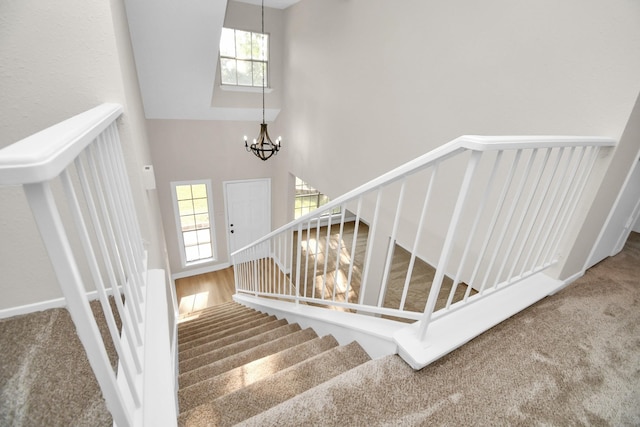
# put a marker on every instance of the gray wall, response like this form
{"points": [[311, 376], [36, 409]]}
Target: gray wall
{"points": [[624, 158], [58, 60], [371, 84], [214, 149], [186, 150]]}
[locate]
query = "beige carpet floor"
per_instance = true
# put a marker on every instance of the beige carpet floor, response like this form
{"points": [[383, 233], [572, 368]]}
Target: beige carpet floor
{"points": [[571, 359], [45, 377]]}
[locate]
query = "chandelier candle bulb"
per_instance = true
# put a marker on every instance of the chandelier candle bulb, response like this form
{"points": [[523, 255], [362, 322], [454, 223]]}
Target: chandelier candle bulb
{"points": [[263, 147]]}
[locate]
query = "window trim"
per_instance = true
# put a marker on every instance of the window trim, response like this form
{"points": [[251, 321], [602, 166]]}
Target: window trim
{"points": [[247, 88], [250, 89], [176, 214]]}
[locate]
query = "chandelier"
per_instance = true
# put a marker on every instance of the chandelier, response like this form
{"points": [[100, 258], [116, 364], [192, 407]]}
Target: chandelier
{"points": [[262, 146]]}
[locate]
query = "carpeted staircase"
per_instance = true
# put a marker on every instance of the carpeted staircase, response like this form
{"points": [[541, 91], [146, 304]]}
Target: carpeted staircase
{"points": [[236, 363], [570, 359]]}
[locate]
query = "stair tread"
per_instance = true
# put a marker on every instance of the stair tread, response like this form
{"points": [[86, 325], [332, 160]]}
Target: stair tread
{"points": [[230, 381], [230, 339], [230, 305], [227, 332], [279, 387], [343, 395], [216, 307], [213, 318], [216, 368], [236, 347], [209, 329]]}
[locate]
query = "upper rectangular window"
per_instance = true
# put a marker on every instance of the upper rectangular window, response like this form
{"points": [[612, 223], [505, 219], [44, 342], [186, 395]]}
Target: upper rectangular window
{"points": [[193, 209], [244, 58]]}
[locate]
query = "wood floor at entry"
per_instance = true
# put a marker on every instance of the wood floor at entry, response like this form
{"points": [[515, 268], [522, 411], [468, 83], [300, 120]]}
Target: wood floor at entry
{"points": [[198, 292]]}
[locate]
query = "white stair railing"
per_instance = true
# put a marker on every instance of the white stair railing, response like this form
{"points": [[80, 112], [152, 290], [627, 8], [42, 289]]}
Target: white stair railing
{"points": [[75, 180], [485, 212]]}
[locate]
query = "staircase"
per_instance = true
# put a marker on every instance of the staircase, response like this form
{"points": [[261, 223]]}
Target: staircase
{"points": [[236, 363], [494, 242]]}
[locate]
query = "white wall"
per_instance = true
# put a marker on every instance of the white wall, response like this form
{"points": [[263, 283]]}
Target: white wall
{"points": [[57, 60], [174, 44], [246, 17], [603, 215], [369, 85], [186, 150], [214, 149], [372, 84]]}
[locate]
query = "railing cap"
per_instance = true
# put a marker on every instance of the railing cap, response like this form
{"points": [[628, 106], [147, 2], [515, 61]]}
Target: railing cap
{"points": [[458, 145], [507, 142], [43, 155]]}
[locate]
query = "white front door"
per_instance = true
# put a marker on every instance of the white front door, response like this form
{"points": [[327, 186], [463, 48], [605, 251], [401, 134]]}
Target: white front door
{"points": [[248, 205]]}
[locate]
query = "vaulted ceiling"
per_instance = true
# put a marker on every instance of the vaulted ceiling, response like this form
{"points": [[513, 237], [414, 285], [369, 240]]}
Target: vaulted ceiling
{"points": [[175, 45]]}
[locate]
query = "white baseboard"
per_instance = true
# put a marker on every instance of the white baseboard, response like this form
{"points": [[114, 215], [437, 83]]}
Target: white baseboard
{"points": [[42, 305], [569, 280], [201, 270]]}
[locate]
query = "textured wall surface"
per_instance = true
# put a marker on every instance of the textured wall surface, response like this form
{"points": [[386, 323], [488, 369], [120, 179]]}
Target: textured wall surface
{"points": [[376, 83], [58, 60]]}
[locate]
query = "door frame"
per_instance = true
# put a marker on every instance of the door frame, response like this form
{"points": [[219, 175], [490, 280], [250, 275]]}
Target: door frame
{"points": [[226, 204]]}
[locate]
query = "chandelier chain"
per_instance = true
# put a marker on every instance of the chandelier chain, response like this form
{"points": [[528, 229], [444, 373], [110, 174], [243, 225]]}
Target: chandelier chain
{"points": [[264, 67], [263, 147]]}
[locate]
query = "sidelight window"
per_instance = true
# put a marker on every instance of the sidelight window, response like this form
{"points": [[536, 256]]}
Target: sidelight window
{"points": [[193, 210], [309, 199]]}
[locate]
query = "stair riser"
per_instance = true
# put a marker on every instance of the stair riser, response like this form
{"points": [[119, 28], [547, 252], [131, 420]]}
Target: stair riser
{"points": [[222, 342], [247, 356], [210, 310], [218, 307], [262, 395], [219, 317], [252, 372], [238, 347], [209, 328], [218, 335]]}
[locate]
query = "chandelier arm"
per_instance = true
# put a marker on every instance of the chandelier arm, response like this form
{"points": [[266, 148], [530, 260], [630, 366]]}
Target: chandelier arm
{"points": [[263, 147]]}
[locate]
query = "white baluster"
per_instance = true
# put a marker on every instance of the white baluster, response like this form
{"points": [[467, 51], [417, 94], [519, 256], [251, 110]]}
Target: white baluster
{"points": [[46, 214]]}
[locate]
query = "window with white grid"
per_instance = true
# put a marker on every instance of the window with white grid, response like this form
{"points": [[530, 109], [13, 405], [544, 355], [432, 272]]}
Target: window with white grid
{"points": [[193, 210], [309, 199], [244, 58]]}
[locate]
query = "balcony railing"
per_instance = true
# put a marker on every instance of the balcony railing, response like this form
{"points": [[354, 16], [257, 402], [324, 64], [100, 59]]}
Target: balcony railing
{"points": [[433, 237]]}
